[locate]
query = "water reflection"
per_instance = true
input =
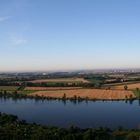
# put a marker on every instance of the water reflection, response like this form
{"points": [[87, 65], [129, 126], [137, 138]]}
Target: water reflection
{"points": [[81, 113], [139, 102], [74, 102]]}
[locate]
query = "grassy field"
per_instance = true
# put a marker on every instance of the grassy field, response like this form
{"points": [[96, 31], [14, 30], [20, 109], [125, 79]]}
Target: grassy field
{"points": [[9, 88], [88, 93], [137, 93], [61, 80], [49, 88], [25, 92]]}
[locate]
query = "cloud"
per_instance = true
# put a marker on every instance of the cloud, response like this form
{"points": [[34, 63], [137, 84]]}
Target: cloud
{"points": [[18, 41], [4, 18]]}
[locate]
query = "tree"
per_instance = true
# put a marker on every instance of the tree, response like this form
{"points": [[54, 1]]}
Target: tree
{"points": [[64, 96], [125, 87], [138, 92]]}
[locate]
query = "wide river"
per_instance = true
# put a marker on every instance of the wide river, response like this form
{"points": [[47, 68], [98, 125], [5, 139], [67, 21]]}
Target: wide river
{"points": [[110, 114]]}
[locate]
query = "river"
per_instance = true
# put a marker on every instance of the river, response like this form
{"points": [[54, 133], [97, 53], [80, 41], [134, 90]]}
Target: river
{"points": [[112, 114]]}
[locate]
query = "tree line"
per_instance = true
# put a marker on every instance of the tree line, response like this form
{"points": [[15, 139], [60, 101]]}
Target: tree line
{"points": [[11, 128]]}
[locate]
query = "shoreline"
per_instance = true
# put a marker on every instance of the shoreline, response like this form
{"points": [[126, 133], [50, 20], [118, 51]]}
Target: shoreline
{"points": [[87, 94]]}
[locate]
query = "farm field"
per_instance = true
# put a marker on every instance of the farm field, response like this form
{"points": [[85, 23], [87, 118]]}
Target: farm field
{"points": [[61, 80], [121, 83], [88, 93], [130, 86], [49, 88]]}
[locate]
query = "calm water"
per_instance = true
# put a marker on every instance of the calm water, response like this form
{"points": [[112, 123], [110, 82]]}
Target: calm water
{"points": [[84, 114]]}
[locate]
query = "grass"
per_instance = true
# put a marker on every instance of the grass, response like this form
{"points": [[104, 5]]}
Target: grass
{"points": [[137, 93], [49, 88], [26, 92], [9, 88]]}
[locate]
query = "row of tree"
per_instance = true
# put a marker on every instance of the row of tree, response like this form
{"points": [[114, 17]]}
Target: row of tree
{"points": [[80, 84]]}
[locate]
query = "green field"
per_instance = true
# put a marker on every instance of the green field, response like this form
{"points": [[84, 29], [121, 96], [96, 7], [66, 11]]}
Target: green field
{"points": [[137, 93], [9, 88], [24, 92]]}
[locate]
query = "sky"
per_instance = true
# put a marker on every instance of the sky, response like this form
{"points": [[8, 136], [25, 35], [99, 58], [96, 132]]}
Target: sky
{"points": [[44, 35]]}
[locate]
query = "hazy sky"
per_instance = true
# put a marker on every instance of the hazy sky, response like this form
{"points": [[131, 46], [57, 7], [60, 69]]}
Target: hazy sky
{"points": [[69, 34]]}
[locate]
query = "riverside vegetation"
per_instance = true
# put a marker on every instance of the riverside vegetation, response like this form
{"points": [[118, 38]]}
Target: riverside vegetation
{"points": [[11, 128]]}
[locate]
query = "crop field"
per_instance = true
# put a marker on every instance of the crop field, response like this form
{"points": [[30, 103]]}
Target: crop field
{"points": [[8, 87], [88, 93], [61, 80], [50, 88], [130, 86]]}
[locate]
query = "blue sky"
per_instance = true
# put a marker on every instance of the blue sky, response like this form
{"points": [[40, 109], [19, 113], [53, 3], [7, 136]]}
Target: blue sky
{"points": [[69, 34]]}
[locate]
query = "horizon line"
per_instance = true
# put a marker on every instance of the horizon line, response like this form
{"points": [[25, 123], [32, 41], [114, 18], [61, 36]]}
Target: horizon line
{"points": [[68, 70]]}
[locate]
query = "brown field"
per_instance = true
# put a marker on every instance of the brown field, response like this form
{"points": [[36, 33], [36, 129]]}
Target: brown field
{"points": [[61, 80], [50, 88], [130, 86], [88, 93]]}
